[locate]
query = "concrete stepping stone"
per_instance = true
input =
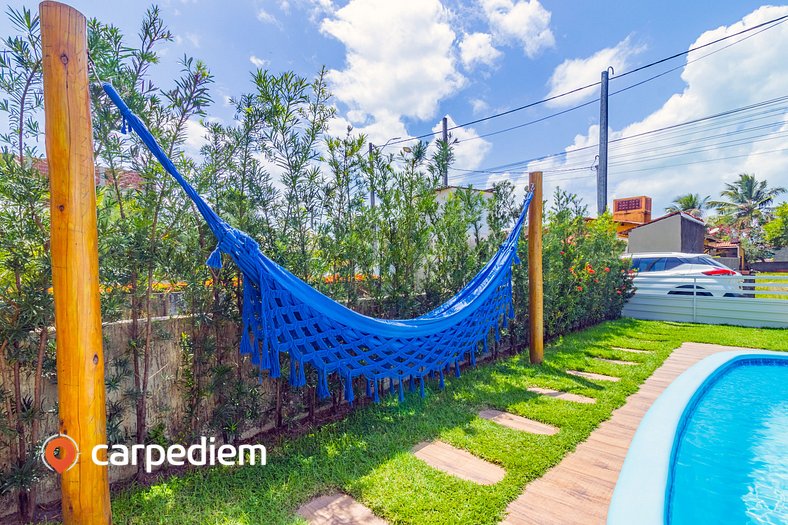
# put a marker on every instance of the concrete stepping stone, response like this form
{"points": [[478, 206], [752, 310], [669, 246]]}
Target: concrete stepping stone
{"points": [[459, 463], [338, 509], [616, 361], [592, 376], [632, 350], [518, 422], [566, 396]]}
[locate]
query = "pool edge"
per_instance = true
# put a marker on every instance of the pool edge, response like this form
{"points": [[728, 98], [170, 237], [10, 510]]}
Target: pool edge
{"points": [[640, 492]]}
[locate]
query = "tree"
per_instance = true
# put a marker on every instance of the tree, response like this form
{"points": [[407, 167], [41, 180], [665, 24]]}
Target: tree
{"points": [[26, 311], [776, 230], [748, 202], [148, 207], [691, 203]]}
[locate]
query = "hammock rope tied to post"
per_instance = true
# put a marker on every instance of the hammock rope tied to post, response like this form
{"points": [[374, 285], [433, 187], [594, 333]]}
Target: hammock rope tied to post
{"points": [[282, 313]]}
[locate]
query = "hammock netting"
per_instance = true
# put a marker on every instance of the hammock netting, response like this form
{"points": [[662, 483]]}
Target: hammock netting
{"points": [[283, 314]]}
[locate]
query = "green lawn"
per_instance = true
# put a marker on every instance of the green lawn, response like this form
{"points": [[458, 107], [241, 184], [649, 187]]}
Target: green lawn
{"points": [[367, 455], [774, 288]]}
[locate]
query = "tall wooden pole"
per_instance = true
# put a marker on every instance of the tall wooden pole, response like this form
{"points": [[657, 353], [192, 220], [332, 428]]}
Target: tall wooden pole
{"points": [[535, 287], [80, 359]]}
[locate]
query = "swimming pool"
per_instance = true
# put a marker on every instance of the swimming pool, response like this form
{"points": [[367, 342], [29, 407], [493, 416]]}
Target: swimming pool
{"points": [[713, 448]]}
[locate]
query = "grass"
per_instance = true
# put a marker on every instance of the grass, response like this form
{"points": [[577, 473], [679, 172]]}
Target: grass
{"points": [[774, 288], [367, 455]]}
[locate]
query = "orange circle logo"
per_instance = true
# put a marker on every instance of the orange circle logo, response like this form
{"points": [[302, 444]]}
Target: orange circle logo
{"points": [[59, 453]]}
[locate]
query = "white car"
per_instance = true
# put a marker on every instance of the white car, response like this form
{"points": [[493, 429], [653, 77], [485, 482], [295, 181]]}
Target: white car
{"points": [[684, 274]]}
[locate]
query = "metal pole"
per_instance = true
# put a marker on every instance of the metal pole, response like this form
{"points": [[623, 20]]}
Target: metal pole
{"points": [[75, 279], [446, 144], [371, 172], [694, 299], [601, 172], [535, 282]]}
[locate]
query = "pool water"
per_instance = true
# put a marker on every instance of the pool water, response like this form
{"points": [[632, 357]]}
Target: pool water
{"points": [[731, 458]]}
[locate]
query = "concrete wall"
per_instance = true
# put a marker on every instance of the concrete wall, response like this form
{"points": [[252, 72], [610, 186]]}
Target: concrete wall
{"points": [[671, 234], [731, 262], [692, 236], [781, 255], [166, 403]]}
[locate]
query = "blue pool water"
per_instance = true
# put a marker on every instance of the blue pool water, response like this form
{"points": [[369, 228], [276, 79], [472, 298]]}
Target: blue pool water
{"points": [[731, 457]]}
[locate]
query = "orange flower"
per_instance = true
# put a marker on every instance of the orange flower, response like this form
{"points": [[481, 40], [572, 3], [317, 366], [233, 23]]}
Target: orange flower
{"points": [[579, 288]]}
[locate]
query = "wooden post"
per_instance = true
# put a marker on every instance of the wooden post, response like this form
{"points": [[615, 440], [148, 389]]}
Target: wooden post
{"points": [[80, 359], [535, 288]]}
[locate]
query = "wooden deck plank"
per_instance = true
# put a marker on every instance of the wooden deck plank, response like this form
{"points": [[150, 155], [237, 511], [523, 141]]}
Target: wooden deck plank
{"points": [[338, 509], [518, 422], [565, 396], [578, 490], [459, 463]]}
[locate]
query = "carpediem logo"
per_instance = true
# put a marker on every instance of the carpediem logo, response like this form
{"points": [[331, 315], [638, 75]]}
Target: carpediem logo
{"points": [[60, 453]]}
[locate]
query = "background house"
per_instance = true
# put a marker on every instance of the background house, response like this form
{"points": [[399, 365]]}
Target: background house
{"points": [[674, 232]]}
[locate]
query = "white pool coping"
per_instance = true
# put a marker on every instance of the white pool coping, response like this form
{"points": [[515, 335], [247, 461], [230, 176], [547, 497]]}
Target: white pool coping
{"points": [[640, 492]]}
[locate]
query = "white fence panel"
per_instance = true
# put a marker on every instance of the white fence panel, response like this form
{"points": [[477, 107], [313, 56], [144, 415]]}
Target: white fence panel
{"points": [[757, 301]]}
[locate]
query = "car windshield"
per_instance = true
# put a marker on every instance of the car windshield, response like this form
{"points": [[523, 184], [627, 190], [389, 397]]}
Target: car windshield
{"points": [[659, 264]]}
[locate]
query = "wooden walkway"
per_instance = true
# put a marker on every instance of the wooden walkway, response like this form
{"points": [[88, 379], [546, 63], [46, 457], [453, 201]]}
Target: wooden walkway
{"points": [[577, 491]]}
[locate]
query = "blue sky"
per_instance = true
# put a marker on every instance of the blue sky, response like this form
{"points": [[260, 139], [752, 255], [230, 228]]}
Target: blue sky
{"points": [[397, 67]]}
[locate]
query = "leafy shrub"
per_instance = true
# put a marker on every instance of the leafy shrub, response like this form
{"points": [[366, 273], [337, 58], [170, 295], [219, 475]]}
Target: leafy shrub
{"points": [[585, 280]]}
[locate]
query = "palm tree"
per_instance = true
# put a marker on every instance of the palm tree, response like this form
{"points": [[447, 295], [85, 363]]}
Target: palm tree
{"points": [[748, 201], [690, 203]]}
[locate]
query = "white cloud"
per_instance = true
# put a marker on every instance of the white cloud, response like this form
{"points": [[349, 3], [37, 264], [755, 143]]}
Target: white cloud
{"points": [[477, 48], [749, 72], [576, 72], [195, 138], [258, 62], [525, 23], [266, 17], [479, 105], [400, 61], [194, 39]]}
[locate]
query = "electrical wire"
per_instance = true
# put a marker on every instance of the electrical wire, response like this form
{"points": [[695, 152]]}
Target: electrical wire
{"points": [[739, 113], [770, 23]]}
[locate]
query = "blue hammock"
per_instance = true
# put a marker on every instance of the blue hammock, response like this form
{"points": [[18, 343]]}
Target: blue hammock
{"points": [[281, 313]]}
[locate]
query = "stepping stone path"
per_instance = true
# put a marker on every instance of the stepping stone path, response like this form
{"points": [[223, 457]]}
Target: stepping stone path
{"points": [[566, 396], [616, 361], [459, 463], [592, 376], [338, 509], [630, 350], [518, 422]]}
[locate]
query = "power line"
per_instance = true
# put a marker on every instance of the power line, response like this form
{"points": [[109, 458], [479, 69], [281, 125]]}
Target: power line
{"points": [[658, 75], [720, 115], [771, 23], [703, 161], [616, 172], [690, 50]]}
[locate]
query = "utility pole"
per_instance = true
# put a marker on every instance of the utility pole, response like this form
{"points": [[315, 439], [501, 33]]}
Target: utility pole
{"points": [[75, 276], [601, 172], [371, 170], [446, 144]]}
